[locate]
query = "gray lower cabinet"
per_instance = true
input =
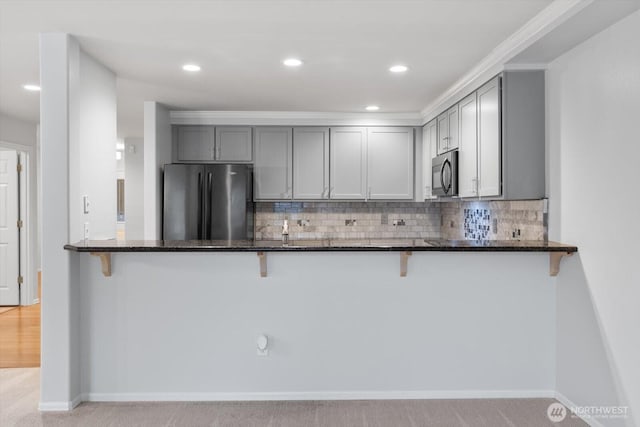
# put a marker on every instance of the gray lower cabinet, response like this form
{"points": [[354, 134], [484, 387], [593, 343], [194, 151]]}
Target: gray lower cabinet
{"points": [[311, 163], [390, 163], [273, 163], [234, 144], [195, 143], [348, 163]]}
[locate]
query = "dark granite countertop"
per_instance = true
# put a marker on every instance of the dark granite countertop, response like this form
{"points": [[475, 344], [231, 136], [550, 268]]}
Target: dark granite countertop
{"points": [[351, 245]]}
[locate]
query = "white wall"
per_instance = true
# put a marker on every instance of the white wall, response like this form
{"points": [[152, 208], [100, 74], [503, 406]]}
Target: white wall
{"points": [[59, 383], [78, 133], [22, 136], [92, 145], [593, 97], [157, 153], [340, 325], [134, 188]]}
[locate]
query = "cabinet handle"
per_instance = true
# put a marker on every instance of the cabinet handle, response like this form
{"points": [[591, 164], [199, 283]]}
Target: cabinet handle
{"points": [[369, 193], [213, 153]]}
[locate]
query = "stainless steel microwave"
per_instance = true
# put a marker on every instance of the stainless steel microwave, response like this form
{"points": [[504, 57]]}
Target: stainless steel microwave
{"points": [[445, 174]]}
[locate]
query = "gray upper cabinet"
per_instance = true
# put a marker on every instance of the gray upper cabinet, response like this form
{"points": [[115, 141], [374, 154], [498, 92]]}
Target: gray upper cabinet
{"points": [[468, 147], [429, 151], [506, 158], [348, 163], [489, 160], [448, 130], [310, 163], [273, 163], [234, 144], [209, 144], [195, 143], [390, 163]]}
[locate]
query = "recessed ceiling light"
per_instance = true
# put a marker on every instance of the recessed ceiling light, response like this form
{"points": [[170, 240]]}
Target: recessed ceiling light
{"points": [[292, 62], [32, 88], [372, 108], [191, 67], [398, 69]]}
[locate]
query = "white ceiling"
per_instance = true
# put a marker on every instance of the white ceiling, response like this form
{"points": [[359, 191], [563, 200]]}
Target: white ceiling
{"points": [[347, 47]]}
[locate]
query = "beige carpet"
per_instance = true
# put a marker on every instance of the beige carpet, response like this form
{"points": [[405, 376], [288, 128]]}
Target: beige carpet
{"points": [[19, 401]]}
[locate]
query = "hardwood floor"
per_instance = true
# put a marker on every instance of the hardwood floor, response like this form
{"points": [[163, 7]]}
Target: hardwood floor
{"points": [[20, 337]]}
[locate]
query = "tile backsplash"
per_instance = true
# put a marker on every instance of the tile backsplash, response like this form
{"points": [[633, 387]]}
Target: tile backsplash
{"points": [[454, 220], [348, 220], [494, 220]]}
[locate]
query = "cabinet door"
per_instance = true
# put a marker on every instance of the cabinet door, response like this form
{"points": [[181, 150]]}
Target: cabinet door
{"points": [[452, 116], [348, 165], [468, 149], [429, 151], [390, 163], [311, 163], [489, 144], [443, 132], [233, 144], [272, 169], [196, 143]]}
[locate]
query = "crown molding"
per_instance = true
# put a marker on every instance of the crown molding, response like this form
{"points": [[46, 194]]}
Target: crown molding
{"points": [[524, 67], [294, 118], [537, 27]]}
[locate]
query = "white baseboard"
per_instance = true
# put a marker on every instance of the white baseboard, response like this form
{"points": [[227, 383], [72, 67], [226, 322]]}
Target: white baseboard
{"points": [[60, 406], [320, 395], [569, 404]]}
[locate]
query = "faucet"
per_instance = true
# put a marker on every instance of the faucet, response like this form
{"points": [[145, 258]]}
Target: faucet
{"points": [[285, 232]]}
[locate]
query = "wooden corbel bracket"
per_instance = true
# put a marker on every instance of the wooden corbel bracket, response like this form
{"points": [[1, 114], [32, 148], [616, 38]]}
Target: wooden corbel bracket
{"points": [[554, 262], [105, 260], [404, 259], [263, 264]]}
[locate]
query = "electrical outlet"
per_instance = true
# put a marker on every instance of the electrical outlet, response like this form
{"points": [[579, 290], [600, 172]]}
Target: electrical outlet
{"points": [[86, 231], [494, 225], [350, 222], [85, 204], [384, 219], [262, 345], [398, 222]]}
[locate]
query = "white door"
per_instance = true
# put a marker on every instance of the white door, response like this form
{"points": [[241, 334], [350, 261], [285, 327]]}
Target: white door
{"points": [[348, 165], [390, 163], [272, 170], [311, 163], [9, 238], [468, 151]]}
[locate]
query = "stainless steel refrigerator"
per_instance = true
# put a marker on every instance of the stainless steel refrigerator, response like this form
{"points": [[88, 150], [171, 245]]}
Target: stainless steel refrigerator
{"points": [[208, 202]]}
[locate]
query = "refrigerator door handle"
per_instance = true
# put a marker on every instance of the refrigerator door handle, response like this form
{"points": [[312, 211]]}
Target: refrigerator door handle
{"points": [[200, 204], [208, 208]]}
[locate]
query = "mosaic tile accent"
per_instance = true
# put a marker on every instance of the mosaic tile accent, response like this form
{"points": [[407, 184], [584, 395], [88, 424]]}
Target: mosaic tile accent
{"points": [[477, 223]]}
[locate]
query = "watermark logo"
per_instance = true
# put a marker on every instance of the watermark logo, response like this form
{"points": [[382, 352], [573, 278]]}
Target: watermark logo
{"points": [[556, 412]]}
